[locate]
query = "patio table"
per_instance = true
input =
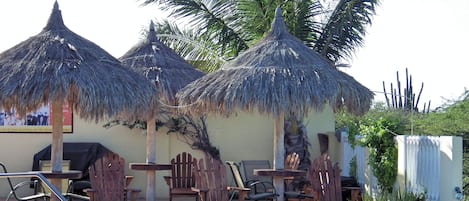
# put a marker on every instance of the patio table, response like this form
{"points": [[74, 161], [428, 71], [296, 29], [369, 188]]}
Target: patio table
{"points": [[149, 166], [150, 169], [69, 174], [278, 176]]}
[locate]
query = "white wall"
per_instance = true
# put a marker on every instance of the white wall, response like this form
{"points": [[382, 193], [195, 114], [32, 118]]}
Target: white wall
{"points": [[451, 166]]}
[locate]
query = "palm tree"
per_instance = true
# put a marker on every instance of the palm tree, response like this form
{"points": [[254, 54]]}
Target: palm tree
{"points": [[220, 29]]}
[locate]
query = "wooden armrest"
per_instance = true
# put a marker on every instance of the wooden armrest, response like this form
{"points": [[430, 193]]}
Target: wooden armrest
{"points": [[351, 188], [242, 192], [168, 180], [128, 180], [199, 190], [133, 193], [91, 193], [202, 193], [71, 196], [234, 188]]}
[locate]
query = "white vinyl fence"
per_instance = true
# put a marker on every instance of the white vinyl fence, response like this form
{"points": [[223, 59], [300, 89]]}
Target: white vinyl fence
{"points": [[422, 165], [429, 164], [365, 177]]}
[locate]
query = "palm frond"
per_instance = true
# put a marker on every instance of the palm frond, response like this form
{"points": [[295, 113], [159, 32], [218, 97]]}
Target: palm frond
{"points": [[259, 11], [345, 29], [211, 18], [301, 20], [191, 46]]}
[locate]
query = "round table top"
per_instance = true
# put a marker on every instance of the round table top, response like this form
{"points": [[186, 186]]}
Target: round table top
{"points": [[149, 166], [279, 172], [67, 174]]}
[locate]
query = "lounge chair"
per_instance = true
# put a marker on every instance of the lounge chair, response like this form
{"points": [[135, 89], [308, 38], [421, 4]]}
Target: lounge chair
{"points": [[292, 161], [251, 194], [248, 167]]}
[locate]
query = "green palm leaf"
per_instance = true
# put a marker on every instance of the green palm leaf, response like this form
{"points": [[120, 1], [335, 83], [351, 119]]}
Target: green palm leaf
{"points": [[345, 29], [190, 45], [228, 27]]}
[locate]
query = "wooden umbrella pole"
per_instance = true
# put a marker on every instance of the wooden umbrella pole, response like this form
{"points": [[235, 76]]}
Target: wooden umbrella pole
{"points": [[151, 158], [279, 153], [57, 142]]}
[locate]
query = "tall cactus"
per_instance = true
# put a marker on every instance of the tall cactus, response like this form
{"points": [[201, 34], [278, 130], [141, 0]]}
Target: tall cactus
{"points": [[404, 99]]}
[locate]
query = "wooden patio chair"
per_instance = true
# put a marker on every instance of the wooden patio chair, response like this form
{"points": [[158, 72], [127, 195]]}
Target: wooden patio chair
{"points": [[292, 162], [108, 180], [210, 180], [325, 181], [181, 181]]}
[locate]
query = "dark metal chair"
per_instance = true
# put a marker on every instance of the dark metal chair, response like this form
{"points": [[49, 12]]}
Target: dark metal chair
{"points": [[291, 162], [249, 177], [252, 194]]}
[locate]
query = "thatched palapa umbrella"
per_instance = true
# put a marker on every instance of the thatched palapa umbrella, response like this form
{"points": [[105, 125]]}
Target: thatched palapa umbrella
{"points": [[58, 66], [162, 65], [278, 74], [170, 73]]}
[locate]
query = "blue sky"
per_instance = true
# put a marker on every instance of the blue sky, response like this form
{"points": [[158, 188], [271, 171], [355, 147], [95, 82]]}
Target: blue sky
{"points": [[429, 37]]}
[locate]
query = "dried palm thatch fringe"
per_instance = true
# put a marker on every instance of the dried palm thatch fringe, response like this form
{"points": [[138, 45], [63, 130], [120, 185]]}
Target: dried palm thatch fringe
{"points": [[58, 64], [162, 65], [277, 74]]}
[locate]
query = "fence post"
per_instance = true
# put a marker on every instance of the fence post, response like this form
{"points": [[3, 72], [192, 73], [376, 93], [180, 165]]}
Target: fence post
{"points": [[451, 167], [347, 154], [401, 162]]}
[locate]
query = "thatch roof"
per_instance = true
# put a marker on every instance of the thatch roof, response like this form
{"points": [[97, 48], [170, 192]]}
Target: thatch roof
{"points": [[278, 74], [161, 64], [58, 64]]}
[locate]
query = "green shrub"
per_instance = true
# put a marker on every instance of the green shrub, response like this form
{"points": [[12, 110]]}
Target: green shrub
{"points": [[396, 195]]}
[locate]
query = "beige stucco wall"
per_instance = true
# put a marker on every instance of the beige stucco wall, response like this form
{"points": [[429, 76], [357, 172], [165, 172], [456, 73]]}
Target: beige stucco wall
{"points": [[242, 136]]}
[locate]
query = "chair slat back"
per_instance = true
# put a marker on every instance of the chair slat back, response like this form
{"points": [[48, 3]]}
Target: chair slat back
{"points": [[325, 179], [292, 161], [107, 177], [182, 171], [210, 174]]}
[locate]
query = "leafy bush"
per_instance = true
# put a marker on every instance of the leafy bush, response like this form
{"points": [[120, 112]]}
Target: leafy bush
{"points": [[378, 137], [396, 195], [377, 129]]}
